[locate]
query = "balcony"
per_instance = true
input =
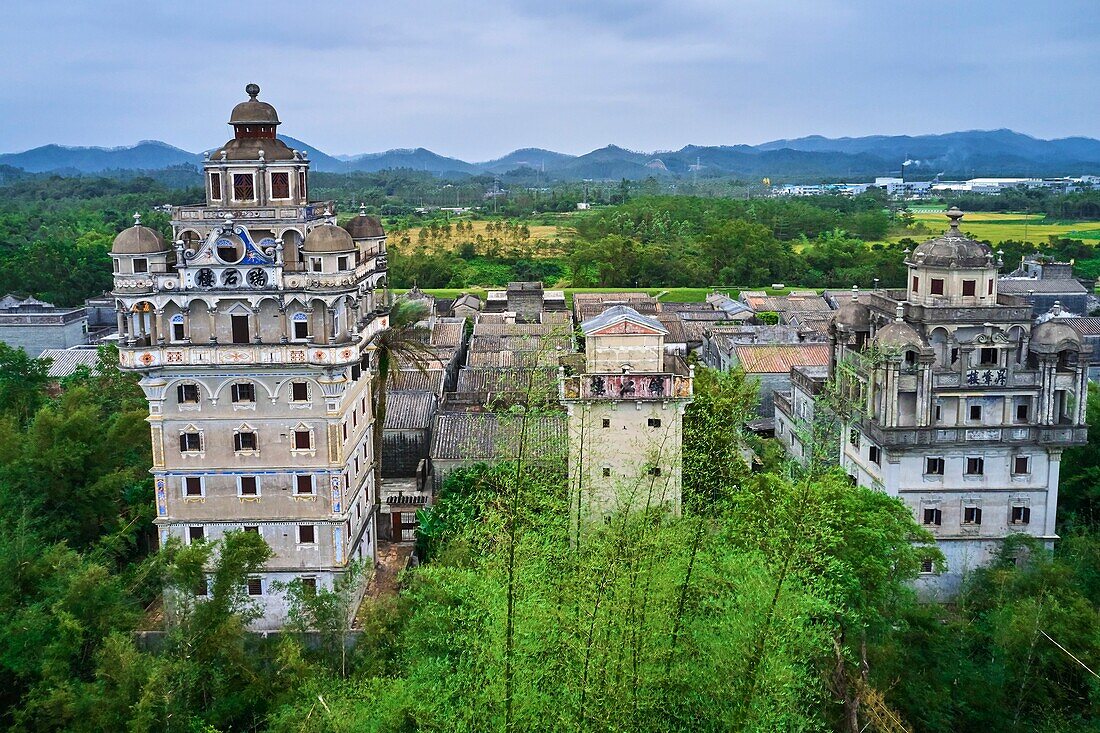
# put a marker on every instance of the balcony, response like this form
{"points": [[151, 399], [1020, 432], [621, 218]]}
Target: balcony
{"points": [[625, 387], [184, 215], [1053, 435]]}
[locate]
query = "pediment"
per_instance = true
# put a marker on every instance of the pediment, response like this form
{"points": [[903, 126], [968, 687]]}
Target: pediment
{"points": [[626, 326]]}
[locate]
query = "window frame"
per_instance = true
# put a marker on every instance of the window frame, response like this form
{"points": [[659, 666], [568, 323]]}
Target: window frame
{"points": [[936, 286], [977, 462], [932, 516], [185, 436], [185, 487], [1024, 514], [255, 485], [254, 582], [235, 393], [298, 480], [1016, 465], [182, 391], [215, 181], [971, 286], [285, 176], [311, 529], [239, 441], [941, 464], [294, 384], [238, 185], [972, 515]]}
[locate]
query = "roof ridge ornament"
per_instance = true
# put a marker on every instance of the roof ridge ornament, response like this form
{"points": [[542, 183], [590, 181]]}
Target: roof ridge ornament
{"points": [[899, 312], [137, 219], [855, 293], [362, 209], [955, 215], [252, 90]]}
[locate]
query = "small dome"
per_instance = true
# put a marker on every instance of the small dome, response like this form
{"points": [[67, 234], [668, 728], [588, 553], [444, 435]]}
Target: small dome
{"points": [[253, 112], [248, 148], [364, 227], [328, 238], [953, 249], [898, 333], [854, 315], [1054, 336], [138, 240]]}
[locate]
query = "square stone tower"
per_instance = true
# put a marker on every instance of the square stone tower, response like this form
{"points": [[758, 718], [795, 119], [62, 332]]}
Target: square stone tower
{"points": [[251, 333], [625, 417]]}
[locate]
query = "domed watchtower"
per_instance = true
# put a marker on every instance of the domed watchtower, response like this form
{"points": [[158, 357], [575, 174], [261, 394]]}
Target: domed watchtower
{"points": [[952, 269]]}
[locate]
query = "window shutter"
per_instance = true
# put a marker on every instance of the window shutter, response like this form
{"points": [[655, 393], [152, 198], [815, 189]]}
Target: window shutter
{"points": [[1027, 515]]}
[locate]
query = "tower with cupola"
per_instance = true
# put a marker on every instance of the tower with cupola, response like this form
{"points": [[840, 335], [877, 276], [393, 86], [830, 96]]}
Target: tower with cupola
{"points": [[252, 333], [958, 404]]}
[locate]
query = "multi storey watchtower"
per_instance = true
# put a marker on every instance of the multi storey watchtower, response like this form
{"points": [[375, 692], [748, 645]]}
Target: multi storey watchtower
{"points": [[251, 332]]}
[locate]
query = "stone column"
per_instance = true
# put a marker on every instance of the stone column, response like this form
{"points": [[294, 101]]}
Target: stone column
{"points": [[121, 324], [186, 325], [1054, 471], [158, 326], [213, 312], [284, 336], [309, 324], [254, 319]]}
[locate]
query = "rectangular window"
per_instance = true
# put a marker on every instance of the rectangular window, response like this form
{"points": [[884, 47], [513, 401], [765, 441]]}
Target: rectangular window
{"points": [[177, 332], [933, 516], [607, 422], [196, 534], [306, 534], [280, 185], [916, 283], [203, 588], [937, 286], [342, 263], [316, 264], [303, 485], [301, 330], [933, 466], [989, 288], [926, 566], [303, 440], [938, 412], [1021, 411], [1021, 515], [192, 486], [975, 412], [251, 529], [874, 453], [299, 392], [249, 487], [655, 471], [187, 394], [970, 287], [853, 437], [240, 329], [244, 187], [244, 442], [988, 357], [972, 515], [1021, 465], [654, 422], [255, 587], [303, 193], [309, 586], [244, 392], [606, 472], [190, 443], [216, 186], [975, 466], [141, 265]]}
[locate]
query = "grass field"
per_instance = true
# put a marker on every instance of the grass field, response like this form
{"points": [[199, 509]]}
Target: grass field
{"points": [[674, 295], [998, 227], [538, 231]]}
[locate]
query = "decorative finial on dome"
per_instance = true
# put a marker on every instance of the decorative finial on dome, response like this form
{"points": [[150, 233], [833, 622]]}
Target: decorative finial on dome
{"points": [[855, 293], [261, 153], [362, 209], [137, 219], [1056, 309], [954, 215], [252, 90], [899, 312]]}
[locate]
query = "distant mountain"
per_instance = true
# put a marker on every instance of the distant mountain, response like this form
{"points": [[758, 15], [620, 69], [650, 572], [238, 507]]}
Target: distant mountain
{"points": [[534, 158], [977, 152], [146, 155], [807, 159], [417, 159]]}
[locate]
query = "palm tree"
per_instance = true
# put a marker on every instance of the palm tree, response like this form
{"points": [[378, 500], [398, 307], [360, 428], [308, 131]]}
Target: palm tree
{"points": [[402, 341]]}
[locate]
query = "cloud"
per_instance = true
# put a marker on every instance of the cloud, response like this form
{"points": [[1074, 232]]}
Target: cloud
{"points": [[476, 79]]}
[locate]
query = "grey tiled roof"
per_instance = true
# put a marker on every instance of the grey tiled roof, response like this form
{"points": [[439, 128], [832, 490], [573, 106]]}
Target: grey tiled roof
{"points": [[1021, 286], [617, 313], [494, 380], [66, 361], [485, 436], [447, 331], [409, 409], [430, 380]]}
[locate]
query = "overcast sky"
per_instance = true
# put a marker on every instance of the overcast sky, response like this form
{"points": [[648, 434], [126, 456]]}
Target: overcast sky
{"points": [[478, 79]]}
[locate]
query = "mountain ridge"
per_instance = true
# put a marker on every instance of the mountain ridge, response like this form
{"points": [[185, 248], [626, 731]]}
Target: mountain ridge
{"points": [[965, 153]]}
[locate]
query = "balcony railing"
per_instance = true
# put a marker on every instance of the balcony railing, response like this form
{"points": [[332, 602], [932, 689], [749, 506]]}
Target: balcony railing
{"points": [[630, 387], [1062, 434]]}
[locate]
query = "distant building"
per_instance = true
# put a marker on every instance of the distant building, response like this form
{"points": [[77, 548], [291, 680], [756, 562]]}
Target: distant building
{"points": [[34, 325], [1043, 283], [65, 362]]}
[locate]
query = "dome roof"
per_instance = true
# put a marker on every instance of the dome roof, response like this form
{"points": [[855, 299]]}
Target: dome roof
{"points": [[364, 227], [854, 315], [328, 238], [253, 111], [248, 148], [898, 333], [138, 240], [953, 249], [1054, 336]]}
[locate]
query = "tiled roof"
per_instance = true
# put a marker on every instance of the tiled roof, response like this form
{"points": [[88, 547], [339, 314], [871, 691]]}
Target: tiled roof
{"points": [[1021, 286], [66, 361], [496, 380], [1086, 326], [760, 301], [471, 436], [448, 331], [516, 329], [672, 322], [618, 313], [409, 409], [500, 359], [430, 380], [779, 358], [557, 318]]}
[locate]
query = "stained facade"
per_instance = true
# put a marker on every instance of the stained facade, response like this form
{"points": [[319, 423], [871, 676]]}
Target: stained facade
{"points": [[961, 406], [251, 332]]}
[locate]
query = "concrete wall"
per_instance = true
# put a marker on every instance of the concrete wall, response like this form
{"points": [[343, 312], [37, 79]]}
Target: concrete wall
{"points": [[34, 338]]}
